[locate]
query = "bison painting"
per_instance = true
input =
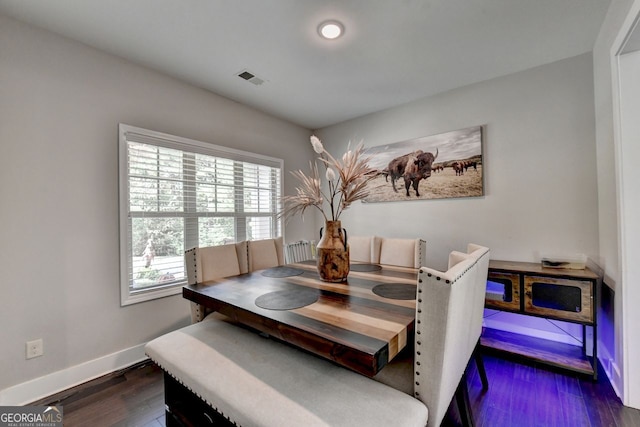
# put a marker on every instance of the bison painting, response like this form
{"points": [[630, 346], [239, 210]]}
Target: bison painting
{"points": [[412, 167], [428, 158]]}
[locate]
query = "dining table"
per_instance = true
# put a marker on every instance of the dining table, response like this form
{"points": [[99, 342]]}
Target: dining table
{"points": [[360, 324]]}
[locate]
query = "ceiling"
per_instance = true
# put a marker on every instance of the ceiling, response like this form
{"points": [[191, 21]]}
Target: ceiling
{"points": [[392, 52], [633, 42]]}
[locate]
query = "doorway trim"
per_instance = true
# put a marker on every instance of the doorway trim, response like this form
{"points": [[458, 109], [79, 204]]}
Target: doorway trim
{"points": [[630, 371]]}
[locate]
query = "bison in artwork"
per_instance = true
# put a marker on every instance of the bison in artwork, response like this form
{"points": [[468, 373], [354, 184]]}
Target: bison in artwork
{"points": [[458, 167], [396, 167], [470, 164], [412, 167]]}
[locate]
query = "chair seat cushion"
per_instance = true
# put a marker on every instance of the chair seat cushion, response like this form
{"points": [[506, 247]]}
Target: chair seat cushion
{"points": [[399, 372], [257, 381]]}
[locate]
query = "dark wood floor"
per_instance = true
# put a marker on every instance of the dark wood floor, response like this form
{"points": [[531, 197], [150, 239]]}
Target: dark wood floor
{"points": [[519, 395], [131, 397], [531, 395]]}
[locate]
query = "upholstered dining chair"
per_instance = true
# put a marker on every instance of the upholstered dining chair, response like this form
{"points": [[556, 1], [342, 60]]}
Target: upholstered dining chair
{"points": [[403, 252], [447, 331], [364, 249], [265, 253], [213, 262]]}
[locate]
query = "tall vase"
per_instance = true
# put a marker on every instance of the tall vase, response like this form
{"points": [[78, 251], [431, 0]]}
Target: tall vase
{"points": [[333, 253]]}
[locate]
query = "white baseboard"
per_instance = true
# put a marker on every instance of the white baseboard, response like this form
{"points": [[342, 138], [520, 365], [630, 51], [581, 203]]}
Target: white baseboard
{"points": [[39, 388], [610, 369]]}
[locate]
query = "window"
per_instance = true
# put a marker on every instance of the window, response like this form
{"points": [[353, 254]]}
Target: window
{"points": [[176, 194]]}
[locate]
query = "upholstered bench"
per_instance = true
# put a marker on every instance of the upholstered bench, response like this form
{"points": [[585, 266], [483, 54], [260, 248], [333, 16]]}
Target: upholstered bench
{"points": [[219, 373]]}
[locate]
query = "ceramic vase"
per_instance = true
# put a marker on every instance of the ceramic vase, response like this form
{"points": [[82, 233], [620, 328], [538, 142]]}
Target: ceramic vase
{"points": [[333, 253]]}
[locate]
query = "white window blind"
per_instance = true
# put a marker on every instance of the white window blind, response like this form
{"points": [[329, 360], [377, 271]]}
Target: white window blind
{"points": [[176, 194]]}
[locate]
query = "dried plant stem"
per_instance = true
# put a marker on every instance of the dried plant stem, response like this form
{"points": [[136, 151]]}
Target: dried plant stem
{"points": [[350, 185]]}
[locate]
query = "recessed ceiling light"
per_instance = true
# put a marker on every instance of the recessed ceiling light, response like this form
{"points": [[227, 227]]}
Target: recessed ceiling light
{"points": [[330, 29]]}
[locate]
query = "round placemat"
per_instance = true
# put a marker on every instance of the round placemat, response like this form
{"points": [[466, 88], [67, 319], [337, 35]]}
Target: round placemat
{"points": [[287, 299], [364, 267], [395, 291], [282, 271]]}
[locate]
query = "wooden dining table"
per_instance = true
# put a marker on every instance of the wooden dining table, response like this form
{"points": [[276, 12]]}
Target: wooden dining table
{"points": [[361, 324]]}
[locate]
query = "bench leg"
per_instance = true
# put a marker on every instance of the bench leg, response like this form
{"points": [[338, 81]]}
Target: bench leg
{"points": [[463, 402], [480, 365]]}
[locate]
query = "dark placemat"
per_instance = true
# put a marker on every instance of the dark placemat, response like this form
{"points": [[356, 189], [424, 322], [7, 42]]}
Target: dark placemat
{"points": [[395, 291], [287, 299], [364, 267], [282, 271]]}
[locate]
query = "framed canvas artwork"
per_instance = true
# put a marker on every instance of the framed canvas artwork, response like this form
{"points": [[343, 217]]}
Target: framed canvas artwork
{"points": [[439, 166]]}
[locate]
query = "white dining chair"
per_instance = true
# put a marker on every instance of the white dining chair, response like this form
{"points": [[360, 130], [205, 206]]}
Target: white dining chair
{"points": [[447, 332], [403, 252], [302, 250], [265, 253], [364, 249], [213, 262]]}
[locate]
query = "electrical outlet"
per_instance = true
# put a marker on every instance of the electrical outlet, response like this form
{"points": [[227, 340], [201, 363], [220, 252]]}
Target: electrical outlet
{"points": [[34, 348]]}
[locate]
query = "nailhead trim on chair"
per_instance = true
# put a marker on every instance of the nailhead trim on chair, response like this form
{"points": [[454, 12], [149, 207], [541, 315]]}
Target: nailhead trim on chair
{"points": [[248, 262], [420, 251], [418, 342], [200, 314], [460, 275], [192, 251]]}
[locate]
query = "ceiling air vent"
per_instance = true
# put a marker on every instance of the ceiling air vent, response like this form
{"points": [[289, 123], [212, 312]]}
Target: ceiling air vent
{"points": [[250, 77]]}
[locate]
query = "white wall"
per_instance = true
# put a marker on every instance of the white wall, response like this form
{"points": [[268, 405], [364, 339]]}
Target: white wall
{"points": [[539, 164], [607, 191], [60, 105]]}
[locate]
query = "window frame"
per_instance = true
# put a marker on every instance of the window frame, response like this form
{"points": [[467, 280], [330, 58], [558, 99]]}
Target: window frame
{"points": [[126, 132]]}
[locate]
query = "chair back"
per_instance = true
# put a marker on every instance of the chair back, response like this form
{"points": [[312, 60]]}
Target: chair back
{"points": [[403, 252], [213, 262], [481, 256], [302, 250], [364, 249], [448, 327], [265, 253]]}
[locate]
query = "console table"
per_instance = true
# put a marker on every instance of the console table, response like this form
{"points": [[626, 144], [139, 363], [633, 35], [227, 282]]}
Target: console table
{"points": [[561, 294]]}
